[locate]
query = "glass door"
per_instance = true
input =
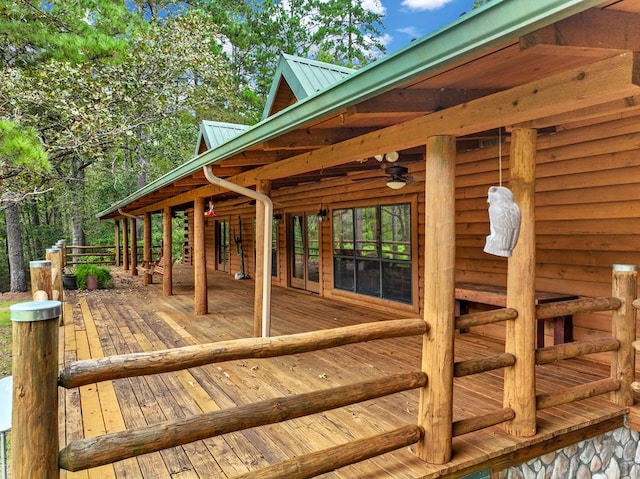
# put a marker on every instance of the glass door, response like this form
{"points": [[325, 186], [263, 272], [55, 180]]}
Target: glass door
{"points": [[305, 252], [223, 252]]}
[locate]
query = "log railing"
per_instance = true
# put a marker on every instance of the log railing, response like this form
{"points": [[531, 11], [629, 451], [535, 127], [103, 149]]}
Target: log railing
{"points": [[91, 452]]}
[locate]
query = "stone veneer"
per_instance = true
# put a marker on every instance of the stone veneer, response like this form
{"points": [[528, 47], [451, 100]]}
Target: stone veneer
{"points": [[613, 455]]}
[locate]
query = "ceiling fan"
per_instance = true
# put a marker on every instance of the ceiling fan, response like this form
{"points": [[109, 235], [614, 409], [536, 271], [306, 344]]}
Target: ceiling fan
{"points": [[398, 176]]}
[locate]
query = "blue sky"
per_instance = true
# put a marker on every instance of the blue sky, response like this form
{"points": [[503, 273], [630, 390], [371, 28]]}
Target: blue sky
{"points": [[408, 19]]}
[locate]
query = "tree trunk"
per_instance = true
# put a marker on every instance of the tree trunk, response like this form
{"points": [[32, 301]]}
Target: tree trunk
{"points": [[17, 269]]}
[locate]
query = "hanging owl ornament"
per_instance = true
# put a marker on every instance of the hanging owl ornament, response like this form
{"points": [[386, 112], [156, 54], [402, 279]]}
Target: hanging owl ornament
{"points": [[504, 218]]}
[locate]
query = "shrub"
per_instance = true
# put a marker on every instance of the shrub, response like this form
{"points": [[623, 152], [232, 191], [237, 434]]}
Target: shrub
{"points": [[100, 273]]}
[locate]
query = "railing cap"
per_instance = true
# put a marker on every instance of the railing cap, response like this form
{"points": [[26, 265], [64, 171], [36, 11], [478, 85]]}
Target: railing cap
{"points": [[52, 250], [625, 267], [42, 263], [35, 311]]}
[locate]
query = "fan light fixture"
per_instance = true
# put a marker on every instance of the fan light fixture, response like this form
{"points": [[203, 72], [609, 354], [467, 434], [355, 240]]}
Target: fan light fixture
{"points": [[396, 183], [392, 156]]}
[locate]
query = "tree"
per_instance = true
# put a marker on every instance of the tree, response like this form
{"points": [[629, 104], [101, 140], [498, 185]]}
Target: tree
{"points": [[22, 158]]}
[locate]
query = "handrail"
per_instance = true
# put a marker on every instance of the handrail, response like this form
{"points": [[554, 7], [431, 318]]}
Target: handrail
{"points": [[96, 451], [90, 371]]}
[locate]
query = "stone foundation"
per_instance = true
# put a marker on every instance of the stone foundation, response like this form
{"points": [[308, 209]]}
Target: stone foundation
{"points": [[613, 455]]}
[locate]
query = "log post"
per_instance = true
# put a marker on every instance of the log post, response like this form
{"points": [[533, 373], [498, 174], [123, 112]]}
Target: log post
{"points": [[435, 414], [623, 362], [264, 187], [146, 251], [62, 245], [41, 286], [34, 431], [519, 379], [201, 299], [53, 255], [134, 246], [167, 262], [116, 242], [125, 244]]}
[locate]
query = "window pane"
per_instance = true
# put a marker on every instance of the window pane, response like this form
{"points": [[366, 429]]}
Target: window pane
{"points": [[343, 273], [396, 232], [298, 247], [368, 277], [343, 232], [396, 281], [313, 249], [367, 232], [274, 247]]}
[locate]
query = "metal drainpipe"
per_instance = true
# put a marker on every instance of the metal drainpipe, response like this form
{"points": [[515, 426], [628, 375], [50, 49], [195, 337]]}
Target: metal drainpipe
{"points": [[268, 218]]}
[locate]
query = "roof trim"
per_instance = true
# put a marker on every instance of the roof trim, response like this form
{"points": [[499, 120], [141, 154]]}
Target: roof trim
{"points": [[484, 28], [305, 77], [215, 133]]}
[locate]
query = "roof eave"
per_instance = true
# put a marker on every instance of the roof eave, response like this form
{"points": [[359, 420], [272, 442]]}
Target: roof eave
{"points": [[487, 27]]}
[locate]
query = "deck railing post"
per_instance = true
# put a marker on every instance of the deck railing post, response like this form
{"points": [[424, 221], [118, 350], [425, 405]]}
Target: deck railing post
{"points": [[435, 411], [520, 379], [34, 429], [623, 327], [40, 272], [146, 248], [53, 255]]}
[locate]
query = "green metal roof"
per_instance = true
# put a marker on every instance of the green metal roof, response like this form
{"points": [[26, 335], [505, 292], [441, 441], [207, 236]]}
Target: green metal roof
{"points": [[489, 26], [215, 133], [305, 77]]}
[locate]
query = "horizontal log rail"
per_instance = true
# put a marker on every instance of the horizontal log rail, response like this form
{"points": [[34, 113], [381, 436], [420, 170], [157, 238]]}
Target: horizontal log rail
{"points": [[575, 349], [485, 317], [576, 393], [91, 371], [330, 459], [482, 365], [476, 423], [96, 451], [575, 306]]}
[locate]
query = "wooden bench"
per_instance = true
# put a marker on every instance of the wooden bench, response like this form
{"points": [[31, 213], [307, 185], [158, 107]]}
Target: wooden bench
{"points": [[151, 268], [497, 296]]}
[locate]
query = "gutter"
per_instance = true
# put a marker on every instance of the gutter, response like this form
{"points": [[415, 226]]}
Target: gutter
{"points": [[266, 246], [487, 27]]}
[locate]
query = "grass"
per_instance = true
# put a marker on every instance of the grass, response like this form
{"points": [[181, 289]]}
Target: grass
{"points": [[5, 338]]}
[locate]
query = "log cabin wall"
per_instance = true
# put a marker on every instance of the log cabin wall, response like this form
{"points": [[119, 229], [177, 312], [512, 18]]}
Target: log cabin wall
{"points": [[587, 213]]}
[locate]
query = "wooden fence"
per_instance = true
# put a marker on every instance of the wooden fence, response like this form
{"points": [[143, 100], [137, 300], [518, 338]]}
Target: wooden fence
{"points": [[36, 362], [102, 254]]}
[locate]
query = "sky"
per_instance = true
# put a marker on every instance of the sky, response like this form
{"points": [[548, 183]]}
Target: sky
{"points": [[409, 19]]}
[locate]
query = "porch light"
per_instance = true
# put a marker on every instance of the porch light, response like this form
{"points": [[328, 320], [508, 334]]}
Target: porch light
{"points": [[322, 214], [396, 183], [392, 156], [379, 157]]}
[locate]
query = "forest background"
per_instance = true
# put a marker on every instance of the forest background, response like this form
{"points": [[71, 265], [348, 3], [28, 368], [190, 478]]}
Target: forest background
{"points": [[100, 97]]}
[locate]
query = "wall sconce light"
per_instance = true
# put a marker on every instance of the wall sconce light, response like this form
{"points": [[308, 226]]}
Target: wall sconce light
{"points": [[322, 214], [211, 211], [277, 216]]}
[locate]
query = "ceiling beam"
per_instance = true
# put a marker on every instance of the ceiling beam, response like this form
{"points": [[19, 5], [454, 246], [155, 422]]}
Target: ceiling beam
{"points": [[403, 101], [599, 82], [592, 28], [308, 139]]}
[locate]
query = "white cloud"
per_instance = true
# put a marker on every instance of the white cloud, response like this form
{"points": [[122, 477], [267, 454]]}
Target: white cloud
{"points": [[410, 31], [424, 4], [374, 6]]}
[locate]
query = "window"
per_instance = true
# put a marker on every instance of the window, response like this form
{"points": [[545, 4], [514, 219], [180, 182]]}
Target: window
{"points": [[222, 245], [372, 251]]}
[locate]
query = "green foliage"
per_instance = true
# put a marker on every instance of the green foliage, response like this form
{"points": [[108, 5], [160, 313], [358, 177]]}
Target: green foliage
{"points": [[5, 313], [100, 273]]}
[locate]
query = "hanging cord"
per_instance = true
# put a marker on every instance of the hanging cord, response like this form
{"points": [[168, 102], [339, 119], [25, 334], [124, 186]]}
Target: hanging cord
{"points": [[500, 154]]}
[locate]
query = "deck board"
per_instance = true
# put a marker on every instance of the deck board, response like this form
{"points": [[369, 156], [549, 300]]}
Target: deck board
{"points": [[134, 318]]}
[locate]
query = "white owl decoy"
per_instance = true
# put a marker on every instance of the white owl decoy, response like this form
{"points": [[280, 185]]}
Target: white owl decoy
{"points": [[504, 218]]}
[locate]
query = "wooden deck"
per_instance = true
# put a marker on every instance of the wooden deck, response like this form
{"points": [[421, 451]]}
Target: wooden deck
{"points": [[134, 318]]}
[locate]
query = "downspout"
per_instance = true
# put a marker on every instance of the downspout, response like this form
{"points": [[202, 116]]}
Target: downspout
{"points": [[266, 256]]}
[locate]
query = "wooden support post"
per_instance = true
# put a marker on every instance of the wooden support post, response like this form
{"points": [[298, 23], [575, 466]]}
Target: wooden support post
{"points": [[199, 261], [264, 187], [167, 262], [623, 325], [519, 379], [125, 244], [134, 246], [116, 242], [34, 432], [146, 251], [53, 255], [435, 414], [41, 286]]}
